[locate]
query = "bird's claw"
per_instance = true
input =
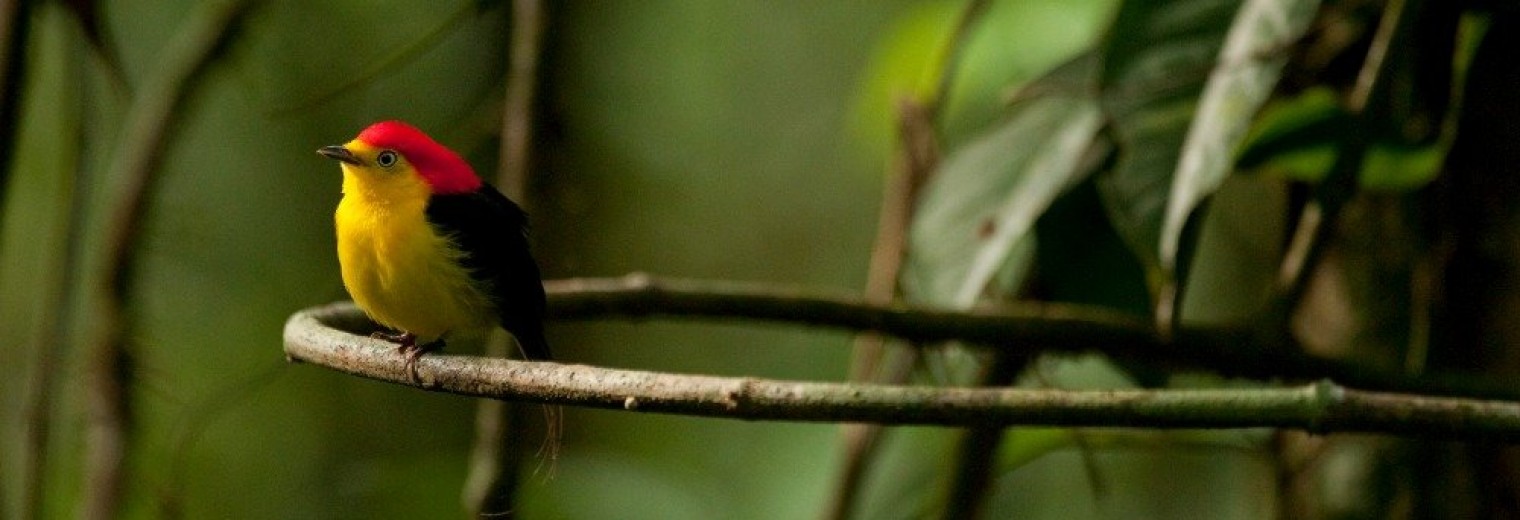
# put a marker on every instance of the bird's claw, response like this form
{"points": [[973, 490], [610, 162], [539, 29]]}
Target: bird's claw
{"points": [[413, 352], [408, 348]]}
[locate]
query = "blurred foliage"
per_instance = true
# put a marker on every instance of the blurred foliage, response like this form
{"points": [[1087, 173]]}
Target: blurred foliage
{"points": [[671, 120], [738, 141]]}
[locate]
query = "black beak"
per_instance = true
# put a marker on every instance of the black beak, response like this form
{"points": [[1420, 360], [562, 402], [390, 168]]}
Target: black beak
{"points": [[340, 153]]}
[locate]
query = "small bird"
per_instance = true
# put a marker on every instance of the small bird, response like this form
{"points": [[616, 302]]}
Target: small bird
{"points": [[427, 249]]}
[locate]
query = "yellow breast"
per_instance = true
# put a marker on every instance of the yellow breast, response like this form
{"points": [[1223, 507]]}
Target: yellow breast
{"points": [[402, 273]]}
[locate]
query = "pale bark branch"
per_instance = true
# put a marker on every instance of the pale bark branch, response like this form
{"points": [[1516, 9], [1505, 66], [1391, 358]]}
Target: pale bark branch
{"points": [[333, 336], [1048, 327]]}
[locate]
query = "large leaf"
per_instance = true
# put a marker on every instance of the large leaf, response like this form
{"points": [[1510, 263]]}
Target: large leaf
{"points": [[973, 229], [1155, 61], [1242, 80], [979, 212]]}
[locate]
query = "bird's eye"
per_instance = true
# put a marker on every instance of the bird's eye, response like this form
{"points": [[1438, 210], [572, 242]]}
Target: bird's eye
{"points": [[386, 159]]}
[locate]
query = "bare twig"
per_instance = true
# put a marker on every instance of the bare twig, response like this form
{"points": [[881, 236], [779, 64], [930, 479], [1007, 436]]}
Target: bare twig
{"points": [[491, 485], [861, 440], [913, 165], [955, 47], [916, 159], [335, 336], [495, 460], [147, 130], [1295, 455]]}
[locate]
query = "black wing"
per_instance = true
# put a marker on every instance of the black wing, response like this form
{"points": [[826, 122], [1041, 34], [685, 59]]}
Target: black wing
{"points": [[492, 231]]}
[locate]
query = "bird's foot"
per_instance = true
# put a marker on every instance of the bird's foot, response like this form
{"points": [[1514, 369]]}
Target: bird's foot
{"points": [[414, 351], [408, 347]]}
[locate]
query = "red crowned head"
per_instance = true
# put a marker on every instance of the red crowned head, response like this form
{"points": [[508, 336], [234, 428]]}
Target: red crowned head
{"points": [[443, 170]]}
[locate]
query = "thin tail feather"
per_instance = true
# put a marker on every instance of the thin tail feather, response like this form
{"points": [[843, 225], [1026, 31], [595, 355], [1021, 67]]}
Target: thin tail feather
{"points": [[554, 419], [534, 347]]}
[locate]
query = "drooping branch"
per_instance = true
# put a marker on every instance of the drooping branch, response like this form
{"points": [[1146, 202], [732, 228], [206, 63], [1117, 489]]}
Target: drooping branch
{"points": [[333, 336], [1050, 327]]}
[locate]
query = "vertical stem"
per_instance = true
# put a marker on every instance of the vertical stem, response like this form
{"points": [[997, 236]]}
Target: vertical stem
{"points": [[149, 125], [977, 453], [516, 156], [862, 439], [109, 417], [916, 159], [495, 461], [52, 347]]}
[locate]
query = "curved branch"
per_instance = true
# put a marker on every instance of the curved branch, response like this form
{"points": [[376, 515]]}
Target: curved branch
{"points": [[325, 336], [1049, 327]]}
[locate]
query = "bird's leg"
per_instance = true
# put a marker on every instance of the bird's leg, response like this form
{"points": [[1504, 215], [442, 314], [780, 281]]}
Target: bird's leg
{"points": [[406, 339]]}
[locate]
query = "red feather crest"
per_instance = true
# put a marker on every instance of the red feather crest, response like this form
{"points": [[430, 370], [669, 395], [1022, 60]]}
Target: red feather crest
{"points": [[445, 171]]}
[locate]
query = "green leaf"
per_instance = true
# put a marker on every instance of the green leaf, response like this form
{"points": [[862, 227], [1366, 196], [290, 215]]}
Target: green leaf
{"points": [[1295, 138], [1248, 67], [1011, 43], [1155, 61], [1310, 120], [981, 208], [905, 65]]}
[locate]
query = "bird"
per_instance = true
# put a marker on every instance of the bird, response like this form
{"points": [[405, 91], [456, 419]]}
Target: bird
{"points": [[428, 250]]}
